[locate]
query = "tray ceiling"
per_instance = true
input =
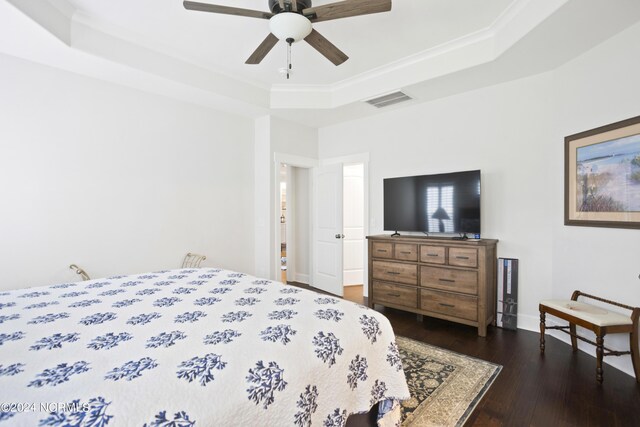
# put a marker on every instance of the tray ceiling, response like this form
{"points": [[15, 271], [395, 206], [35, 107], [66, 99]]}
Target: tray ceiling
{"points": [[223, 42], [424, 48]]}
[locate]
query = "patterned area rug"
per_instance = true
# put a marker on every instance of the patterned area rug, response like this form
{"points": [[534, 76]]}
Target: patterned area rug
{"points": [[445, 386]]}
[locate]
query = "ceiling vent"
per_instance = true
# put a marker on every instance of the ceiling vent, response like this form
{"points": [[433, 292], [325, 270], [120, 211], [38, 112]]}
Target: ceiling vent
{"points": [[390, 99]]}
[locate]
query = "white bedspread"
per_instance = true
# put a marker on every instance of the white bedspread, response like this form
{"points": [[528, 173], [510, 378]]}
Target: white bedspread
{"points": [[204, 347]]}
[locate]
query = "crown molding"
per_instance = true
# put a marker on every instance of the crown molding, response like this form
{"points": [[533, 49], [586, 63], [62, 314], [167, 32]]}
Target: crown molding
{"points": [[468, 51], [200, 81]]}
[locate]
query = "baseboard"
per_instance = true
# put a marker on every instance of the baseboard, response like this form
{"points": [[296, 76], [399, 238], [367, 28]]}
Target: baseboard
{"points": [[622, 363], [528, 323]]}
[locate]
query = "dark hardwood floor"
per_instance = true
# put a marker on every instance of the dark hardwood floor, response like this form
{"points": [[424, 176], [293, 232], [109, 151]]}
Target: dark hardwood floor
{"points": [[557, 389]]}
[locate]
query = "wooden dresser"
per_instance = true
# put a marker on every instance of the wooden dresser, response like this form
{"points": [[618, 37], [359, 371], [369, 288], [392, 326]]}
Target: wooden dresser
{"points": [[449, 279]]}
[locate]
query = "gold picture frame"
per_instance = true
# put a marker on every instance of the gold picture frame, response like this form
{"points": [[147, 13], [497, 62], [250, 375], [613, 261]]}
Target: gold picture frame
{"points": [[602, 176]]}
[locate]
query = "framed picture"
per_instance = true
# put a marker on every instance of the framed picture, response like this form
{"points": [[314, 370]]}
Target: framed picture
{"points": [[602, 176]]}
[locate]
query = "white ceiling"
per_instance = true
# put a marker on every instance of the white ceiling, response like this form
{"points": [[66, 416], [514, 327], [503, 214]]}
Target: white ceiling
{"points": [[224, 42], [427, 48]]}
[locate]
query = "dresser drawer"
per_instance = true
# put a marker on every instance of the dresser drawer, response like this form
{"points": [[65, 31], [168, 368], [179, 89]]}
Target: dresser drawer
{"points": [[395, 294], [395, 272], [406, 252], [449, 279], [462, 306], [382, 250], [432, 254], [463, 257]]}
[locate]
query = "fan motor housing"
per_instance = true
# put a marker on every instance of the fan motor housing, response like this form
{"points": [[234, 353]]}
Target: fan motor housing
{"points": [[274, 6]]}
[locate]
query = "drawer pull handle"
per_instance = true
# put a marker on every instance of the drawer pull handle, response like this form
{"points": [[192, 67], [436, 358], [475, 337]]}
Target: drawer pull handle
{"points": [[446, 305], [381, 250], [462, 257], [447, 280], [394, 295], [405, 252], [433, 255], [394, 273]]}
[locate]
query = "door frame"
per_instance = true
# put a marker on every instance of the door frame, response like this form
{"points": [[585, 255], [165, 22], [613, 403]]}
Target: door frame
{"points": [[299, 162], [359, 158]]}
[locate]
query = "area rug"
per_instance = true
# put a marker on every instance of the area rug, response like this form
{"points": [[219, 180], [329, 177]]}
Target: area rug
{"points": [[445, 386]]}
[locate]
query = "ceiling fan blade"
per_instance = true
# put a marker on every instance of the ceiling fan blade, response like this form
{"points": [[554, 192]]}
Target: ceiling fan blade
{"points": [[326, 48], [265, 47], [214, 8], [294, 5], [345, 9]]}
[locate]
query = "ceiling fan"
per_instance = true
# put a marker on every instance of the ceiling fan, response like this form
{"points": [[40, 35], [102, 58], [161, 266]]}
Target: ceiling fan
{"points": [[291, 21]]}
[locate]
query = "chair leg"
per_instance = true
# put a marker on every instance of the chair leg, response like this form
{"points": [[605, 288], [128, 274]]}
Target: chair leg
{"points": [[542, 328], [599, 354], [574, 340]]}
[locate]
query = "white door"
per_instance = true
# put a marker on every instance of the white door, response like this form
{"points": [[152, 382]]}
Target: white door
{"points": [[327, 229]]}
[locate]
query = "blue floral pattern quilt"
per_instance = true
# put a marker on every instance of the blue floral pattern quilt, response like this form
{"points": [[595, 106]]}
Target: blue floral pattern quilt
{"points": [[206, 347]]}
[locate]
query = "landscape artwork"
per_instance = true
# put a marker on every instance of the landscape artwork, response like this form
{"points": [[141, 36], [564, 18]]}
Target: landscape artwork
{"points": [[609, 176], [602, 176]]}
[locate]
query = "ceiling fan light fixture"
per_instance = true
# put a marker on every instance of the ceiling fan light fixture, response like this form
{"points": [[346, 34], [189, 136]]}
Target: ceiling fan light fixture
{"points": [[289, 25], [291, 21]]}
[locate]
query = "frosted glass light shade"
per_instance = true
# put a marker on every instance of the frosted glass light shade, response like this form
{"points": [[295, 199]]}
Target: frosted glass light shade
{"points": [[287, 25]]}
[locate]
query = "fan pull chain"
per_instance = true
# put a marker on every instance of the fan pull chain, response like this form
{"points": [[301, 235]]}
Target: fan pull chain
{"points": [[289, 67]]}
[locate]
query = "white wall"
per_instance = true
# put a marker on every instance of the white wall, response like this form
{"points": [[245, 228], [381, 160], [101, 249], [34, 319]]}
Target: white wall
{"points": [[262, 196], [115, 180], [275, 137], [598, 88], [478, 130], [293, 140], [514, 133]]}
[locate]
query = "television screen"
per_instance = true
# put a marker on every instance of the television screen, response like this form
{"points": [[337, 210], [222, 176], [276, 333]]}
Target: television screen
{"points": [[443, 203]]}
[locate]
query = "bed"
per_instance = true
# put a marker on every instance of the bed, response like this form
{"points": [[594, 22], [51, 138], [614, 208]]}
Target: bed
{"points": [[186, 347]]}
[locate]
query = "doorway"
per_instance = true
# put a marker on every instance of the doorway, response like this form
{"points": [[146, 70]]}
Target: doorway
{"points": [[304, 191], [354, 235], [293, 232]]}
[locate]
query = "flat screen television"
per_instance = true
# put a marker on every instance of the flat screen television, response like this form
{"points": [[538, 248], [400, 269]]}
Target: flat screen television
{"points": [[442, 203]]}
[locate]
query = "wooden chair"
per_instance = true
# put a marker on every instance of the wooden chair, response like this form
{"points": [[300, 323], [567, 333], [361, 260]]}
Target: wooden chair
{"points": [[80, 271], [192, 260], [597, 319]]}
